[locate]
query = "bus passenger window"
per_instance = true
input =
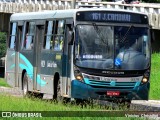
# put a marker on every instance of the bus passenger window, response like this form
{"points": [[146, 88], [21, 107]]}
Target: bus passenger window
{"points": [[28, 42], [59, 35], [25, 41], [60, 27], [58, 43], [48, 42], [13, 36], [61, 42]]}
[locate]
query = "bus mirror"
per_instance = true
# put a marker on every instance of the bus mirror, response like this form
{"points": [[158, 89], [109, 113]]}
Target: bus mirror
{"points": [[152, 36], [70, 37]]}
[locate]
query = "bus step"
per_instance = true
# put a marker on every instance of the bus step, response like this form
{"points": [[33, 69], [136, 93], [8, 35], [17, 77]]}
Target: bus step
{"points": [[47, 96], [36, 91], [65, 95]]}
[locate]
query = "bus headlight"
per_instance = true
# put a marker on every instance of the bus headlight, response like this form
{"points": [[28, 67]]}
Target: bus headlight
{"points": [[145, 77], [144, 80], [78, 75]]}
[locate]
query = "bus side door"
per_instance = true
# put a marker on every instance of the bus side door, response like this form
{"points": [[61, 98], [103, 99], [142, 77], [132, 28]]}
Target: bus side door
{"points": [[37, 52], [12, 66]]}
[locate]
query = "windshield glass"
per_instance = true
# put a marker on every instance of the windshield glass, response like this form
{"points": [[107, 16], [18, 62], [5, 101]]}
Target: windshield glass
{"points": [[112, 47]]}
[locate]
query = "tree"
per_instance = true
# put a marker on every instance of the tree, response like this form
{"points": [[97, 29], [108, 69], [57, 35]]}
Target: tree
{"points": [[3, 37]]}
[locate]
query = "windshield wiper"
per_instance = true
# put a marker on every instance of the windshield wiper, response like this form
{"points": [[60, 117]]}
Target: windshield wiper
{"points": [[99, 34], [126, 34]]}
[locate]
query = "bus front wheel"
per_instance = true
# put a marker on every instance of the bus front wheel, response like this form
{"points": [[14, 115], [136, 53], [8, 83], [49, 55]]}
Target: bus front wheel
{"points": [[59, 97], [25, 85], [57, 93]]}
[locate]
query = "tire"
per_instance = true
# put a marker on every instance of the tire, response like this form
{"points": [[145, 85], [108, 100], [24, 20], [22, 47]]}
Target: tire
{"points": [[25, 85], [57, 93], [27, 93], [59, 97]]}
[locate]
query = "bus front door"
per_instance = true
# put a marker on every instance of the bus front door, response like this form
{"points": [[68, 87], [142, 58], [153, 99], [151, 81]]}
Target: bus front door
{"points": [[67, 61]]}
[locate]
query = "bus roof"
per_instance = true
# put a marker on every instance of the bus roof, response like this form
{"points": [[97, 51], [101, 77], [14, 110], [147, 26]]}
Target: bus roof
{"points": [[48, 14]]}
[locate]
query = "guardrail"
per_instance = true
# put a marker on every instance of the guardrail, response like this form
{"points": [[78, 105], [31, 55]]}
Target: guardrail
{"points": [[153, 10]]}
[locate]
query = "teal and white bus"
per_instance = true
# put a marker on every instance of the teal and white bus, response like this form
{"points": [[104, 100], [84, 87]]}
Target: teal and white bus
{"points": [[83, 54]]}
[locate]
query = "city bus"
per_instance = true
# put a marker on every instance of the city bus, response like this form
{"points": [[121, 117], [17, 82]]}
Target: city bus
{"points": [[81, 54]]}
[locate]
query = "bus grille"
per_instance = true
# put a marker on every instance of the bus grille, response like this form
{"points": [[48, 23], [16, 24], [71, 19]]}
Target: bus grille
{"points": [[96, 81], [126, 85]]}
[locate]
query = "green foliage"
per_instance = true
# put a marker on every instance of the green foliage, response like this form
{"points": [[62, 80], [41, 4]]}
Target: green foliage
{"points": [[155, 77], [2, 44]]}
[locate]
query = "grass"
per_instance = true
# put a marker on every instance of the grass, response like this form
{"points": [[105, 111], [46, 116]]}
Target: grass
{"points": [[155, 77], [34, 104], [3, 82]]}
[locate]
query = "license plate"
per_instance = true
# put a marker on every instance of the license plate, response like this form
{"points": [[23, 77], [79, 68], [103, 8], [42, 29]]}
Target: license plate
{"points": [[113, 93]]}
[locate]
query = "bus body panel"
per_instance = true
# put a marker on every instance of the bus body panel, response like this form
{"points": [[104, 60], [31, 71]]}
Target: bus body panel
{"points": [[86, 92], [10, 68], [50, 64], [26, 63], [48, 86]]}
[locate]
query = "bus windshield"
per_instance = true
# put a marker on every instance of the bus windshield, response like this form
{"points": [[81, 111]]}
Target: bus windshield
{"points": [[112, 47]]}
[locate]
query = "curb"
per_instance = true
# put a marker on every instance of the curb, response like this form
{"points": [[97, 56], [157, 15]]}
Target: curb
{"points": [[145, 105]]}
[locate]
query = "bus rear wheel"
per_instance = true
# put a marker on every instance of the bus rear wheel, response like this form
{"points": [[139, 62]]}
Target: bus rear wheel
{"points": [[25, 85]]}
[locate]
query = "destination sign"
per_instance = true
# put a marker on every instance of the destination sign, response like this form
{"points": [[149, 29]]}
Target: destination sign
{"points": [[108, 16]]}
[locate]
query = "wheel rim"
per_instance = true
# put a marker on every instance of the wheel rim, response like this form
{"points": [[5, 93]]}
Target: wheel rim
{"points": [[25, 86]]}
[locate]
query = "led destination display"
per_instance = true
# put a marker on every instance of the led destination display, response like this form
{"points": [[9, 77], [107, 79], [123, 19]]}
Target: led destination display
{"points": [[108, 16]]}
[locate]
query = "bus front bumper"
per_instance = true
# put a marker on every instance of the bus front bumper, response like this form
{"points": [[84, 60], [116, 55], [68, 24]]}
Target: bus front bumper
{"points": [[81, 90]]}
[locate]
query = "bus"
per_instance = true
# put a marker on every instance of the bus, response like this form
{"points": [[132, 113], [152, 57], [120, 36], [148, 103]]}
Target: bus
{"points": [[102, 54]]}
